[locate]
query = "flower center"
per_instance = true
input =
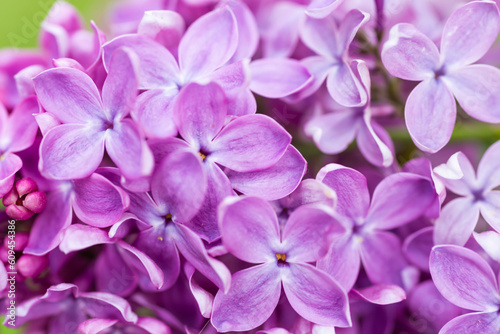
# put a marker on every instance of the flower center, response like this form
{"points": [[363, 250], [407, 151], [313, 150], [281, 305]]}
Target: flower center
{"points": [[281, 257], [203, 156]]}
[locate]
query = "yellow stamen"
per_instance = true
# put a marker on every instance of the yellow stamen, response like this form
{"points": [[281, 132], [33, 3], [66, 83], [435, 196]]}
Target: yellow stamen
{"points": [[203, 156], [160, 238], [169, 216], [281, 257]]}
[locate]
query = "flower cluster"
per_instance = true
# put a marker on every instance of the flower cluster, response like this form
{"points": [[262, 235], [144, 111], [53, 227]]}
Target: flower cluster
{"points": [[156, 186]]}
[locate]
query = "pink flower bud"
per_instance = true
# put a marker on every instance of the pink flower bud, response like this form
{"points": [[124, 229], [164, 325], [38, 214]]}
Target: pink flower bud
{"points": [[18, 212], [26, 185], [35, 201], [30, 265], [11, 197]]}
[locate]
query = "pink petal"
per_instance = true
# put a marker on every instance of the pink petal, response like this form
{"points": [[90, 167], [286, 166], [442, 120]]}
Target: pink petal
{"points": [[274, 182], [475, 88], [98, 202], [21, 128], [322, 36], [249, 229], [490, 208], [204, 298], [382, 294], [322, 8], [490, 242], [464, 278], [488, 171], [95, 326], [208, 43], [78, 236], [456, 222], [430, 114], [344, 87], [128, 150], [250, 143], [277, 78], [10, 164], [417, 247], [69, 94], [252, 298], [473, 323], [154, 113], [375, 143], [350, 26], [458, 174], [316, 296], [71, 151], [163, 26], [459, 44], [409, 54]]}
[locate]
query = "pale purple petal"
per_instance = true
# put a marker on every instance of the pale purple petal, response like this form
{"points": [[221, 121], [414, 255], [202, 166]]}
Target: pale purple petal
{"points": [[119, 91], [459, 44], [350, 185], [490, 208], [277, 77], [316, 296], [95, 326], [342, 261], [113, 274], [321, 36], [233, 79], [308, 233], [389, 208], [163, 26], [464, 278], [155, 113], [490, 242], [309, 191], [46, 121], [208, 43], [20, 131], [382, 294], [350, 26], [128, 150], [382, 257], [204, 298], [272, 183], [199, 113], [152, 325], [430, 114], [106, 305], [344, 87], [473, 323], [249, 228], [10, 164], [158, 68], [456, 222], [375, 143], [248, 31], [98, 202], [78, 236], [46, 232], [475, 88], [333, 132], [488, 172], [192, 248], [322, 8], [252, 298], [69, 94], [458, 174], [319, 67], [409, 54], [179, 185], [250, 143], [71, 151], [417, 247]]}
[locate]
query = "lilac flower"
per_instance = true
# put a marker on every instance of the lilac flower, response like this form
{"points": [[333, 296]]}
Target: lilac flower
{"points": [[332, 63], [89, 123], [24, 200], [250, 231], [144, 325], [68, 307], [334, 131], [430, 110], [366, 238], [477, 195], [251, 153], [465, 279], [17, 132]]}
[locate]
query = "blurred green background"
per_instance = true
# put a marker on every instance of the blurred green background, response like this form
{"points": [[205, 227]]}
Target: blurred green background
{"points": [[20, 19]]}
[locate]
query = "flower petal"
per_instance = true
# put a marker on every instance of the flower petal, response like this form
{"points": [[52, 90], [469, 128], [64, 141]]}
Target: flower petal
{"points": [[344, 87], [456, 222], [430, 113], [249, 228], [382, 294], [458, 174], [409, 54], [69, 94], [78, 236], [308, 233], [490, 209], [98, 202], [71, 151], [113, 274], [21, 127], [464, 278], [199, 113], [322, 8], [278, 77], [488, 171], [475, 88], [349, 27], [459, 44], [274, 182], [252, 298], [417, 247], [375, 143], [164, 26], [316, 296], [473, 323], [490, 242], [249, 143], [155, 113], [128, 150], [321, 36], [208, 43], [353, 198], [389, 208], [10, 164]]}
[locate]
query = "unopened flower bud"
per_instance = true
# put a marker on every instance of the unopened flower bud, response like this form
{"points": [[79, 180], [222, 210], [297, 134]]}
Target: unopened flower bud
{"points": [[31, 265], [24, 200]]}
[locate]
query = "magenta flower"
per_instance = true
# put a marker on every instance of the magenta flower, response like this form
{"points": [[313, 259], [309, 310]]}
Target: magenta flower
{"points": [[430, 110], [477, 195], [24, 200], [17, 132], [250, 231], [367, 238], [75, 148], [465, 279]]}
